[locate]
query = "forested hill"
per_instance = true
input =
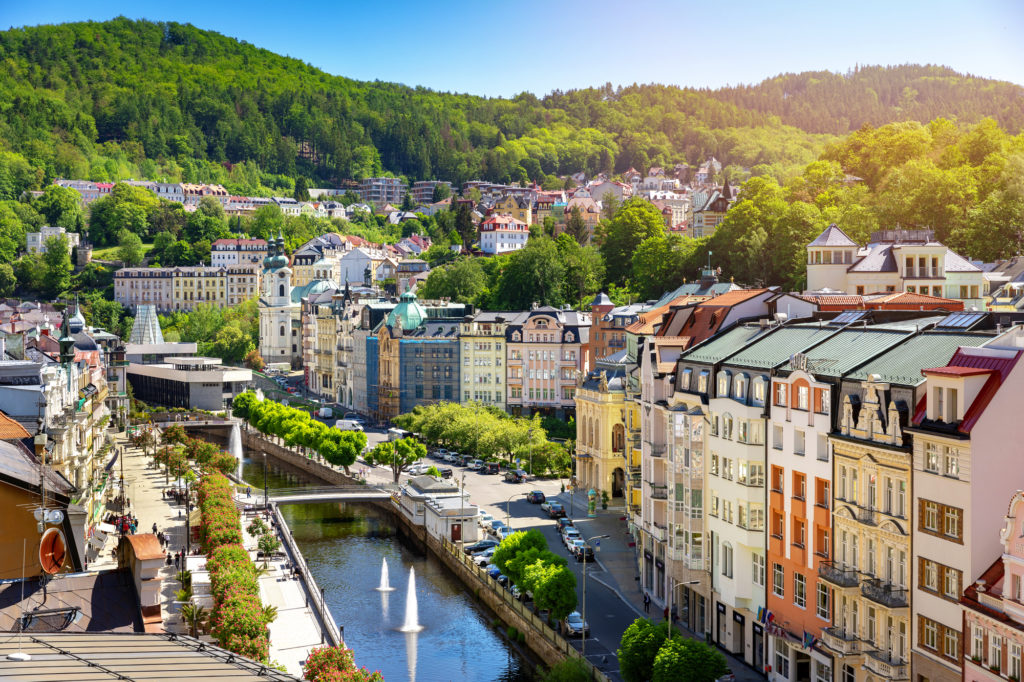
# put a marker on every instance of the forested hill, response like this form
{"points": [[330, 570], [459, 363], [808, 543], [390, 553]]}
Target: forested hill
{"points": [[126, 98], [826, 102]]}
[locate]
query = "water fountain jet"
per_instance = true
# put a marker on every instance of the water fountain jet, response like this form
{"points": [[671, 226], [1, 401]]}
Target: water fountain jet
{"points": [[385, 585], [235, 447], [412, 610]]}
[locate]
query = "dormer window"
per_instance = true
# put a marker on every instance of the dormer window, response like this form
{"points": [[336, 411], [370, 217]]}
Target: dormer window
{"points": [[723, 383], [516, 336], [740, 392]]}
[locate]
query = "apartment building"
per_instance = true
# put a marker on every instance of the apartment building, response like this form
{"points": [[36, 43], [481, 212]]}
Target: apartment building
{"points": [[483, 357], [382, 191], [993, 618], [962, 476], [517, 206], [502, 234], [609, 323], [185, 288], [224, 252], [546, 350], [422, 191], [320, 342]]}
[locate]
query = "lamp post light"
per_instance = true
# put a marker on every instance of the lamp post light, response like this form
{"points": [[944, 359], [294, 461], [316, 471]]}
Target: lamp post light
{"points": [[508, 519], [462, 513], [583, 645], [264, 481]]}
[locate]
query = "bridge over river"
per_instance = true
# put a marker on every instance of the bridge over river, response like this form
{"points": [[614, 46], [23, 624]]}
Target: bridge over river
{"points": [[334, 493]]}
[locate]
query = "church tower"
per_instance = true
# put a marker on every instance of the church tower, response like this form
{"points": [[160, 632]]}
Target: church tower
{"points": [[278, 336]]}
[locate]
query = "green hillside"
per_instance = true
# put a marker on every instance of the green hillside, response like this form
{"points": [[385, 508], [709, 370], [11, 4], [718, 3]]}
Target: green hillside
{"points": [[127, 98]]}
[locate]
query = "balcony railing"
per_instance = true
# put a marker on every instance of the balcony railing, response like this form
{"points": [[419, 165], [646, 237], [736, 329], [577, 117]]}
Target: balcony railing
{"points": [[837, 575], [658, 450], [884, 593], [840, 640], [657, 532], [867, 516], [886, 666], [658, 492]]}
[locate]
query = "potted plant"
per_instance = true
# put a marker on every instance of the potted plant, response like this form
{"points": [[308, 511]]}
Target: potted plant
{"points": [[604, 499]]}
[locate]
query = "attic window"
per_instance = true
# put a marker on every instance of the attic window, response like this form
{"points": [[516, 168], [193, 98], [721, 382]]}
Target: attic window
{"points": [[714, 318]]}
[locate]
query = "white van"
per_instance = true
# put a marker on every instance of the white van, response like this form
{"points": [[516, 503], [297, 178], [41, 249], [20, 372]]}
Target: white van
{"points": [[348, 425], [326, 413]]}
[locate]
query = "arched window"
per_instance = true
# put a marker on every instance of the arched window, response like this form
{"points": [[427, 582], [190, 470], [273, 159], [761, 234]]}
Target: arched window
{"points": [[280, 290], [723, 383], [618, 437], [282, 330], [740, 387]]}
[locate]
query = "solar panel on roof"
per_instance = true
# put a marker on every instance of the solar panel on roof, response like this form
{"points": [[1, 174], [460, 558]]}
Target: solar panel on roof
{"points": [[849, 316], [961, 320]]}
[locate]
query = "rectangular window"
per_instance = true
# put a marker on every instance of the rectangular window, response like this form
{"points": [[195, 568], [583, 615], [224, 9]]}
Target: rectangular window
{"points": [[757, 569], [727, 560], [777, 437], [782, 659], [780, 394], [930, 634], [978, 643], [951, 462], [799, 590], [930, 575], [930, 521], [799, 486], [803, 397], [822, 603], [1014, 663], [952, 523], [951, 646], [995, 652], [778, 580], [951, 583], [799, 442], [931, 457]]}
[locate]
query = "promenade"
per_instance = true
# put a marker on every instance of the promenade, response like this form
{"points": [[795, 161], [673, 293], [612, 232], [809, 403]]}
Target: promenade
{"points": [[294, 632]]}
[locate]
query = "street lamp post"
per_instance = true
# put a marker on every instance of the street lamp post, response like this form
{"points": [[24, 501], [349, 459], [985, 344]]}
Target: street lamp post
{"points": [[264, 481], [462, 513], [671, 599], [583, 646], [508, 519]]}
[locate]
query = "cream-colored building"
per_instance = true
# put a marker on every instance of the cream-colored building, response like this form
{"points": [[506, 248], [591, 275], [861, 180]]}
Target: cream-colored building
{"points": [[601, 432], [895, 260], [185, 288], [483, 357]]}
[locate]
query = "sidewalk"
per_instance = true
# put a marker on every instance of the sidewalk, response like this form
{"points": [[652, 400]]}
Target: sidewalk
{"points": [[621, 575]]}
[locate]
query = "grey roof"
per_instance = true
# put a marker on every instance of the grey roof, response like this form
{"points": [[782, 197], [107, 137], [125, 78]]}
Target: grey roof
{"points": [[833, 236], [429, 484], [601, 299], [102, 601], [18, 464], [903, 363], [957, 263], [879, 258], [849, 348], [615, 376], [773, 349], [721, 346]]}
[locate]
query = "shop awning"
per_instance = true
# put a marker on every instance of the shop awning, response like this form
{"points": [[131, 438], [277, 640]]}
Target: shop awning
{"points": [[105, 528]]}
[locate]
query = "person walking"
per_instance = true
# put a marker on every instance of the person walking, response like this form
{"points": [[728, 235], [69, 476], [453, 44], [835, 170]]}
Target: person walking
{"points": [[154, 528], [647, 603]]}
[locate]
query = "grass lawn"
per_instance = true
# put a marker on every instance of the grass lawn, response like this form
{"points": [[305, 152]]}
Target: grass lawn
{"points": [[110, 252]]}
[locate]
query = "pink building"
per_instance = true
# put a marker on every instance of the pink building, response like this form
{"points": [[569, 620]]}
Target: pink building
{"points": [[993, 608]]}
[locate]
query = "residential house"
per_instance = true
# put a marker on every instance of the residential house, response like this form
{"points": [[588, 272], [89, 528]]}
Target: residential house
{"points": [[601, 431], [502, 234], [483, 357], [545, 352], [186, 287], [517, 206], [35, 242], [237, 251], [707, 210]]}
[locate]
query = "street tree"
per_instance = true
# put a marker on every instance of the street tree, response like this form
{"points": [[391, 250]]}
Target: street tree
{"points": [[398, 454], [688, 660], [553, 588], [517, 542], [639, 647], [636, 221]]}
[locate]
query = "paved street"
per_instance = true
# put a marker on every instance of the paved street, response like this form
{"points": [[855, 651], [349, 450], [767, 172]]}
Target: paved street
{"points": [[614, 598]]}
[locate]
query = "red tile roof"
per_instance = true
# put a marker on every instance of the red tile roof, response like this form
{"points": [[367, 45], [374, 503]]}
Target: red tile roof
{"points": [[10, 429], [956, 371], [996, 363]]}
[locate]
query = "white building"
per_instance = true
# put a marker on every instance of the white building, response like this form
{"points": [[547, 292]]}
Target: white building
{"points": [[36, 241], [238, 251], [502, 234], [441, 507], [894, 260]]}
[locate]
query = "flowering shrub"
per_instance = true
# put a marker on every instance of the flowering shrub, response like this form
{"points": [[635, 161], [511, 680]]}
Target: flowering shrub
{"points": [[336, 664], [238, 621]]}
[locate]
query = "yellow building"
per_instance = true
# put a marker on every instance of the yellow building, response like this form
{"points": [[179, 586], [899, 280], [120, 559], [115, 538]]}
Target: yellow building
{"points": [[483, 358], [601, 432], [185, 288], [519, 208], [870, 570]]}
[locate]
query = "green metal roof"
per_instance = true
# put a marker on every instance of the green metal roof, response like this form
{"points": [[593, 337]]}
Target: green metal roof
{"points": [[849, 348], [722, 345], [903, 364], [775, 348]]}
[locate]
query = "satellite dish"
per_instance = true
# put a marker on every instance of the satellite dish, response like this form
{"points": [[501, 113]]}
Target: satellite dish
{"points": [[52, 551]]}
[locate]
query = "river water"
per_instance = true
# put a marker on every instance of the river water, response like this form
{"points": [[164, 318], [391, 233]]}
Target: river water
{"points": [[344, 545]]}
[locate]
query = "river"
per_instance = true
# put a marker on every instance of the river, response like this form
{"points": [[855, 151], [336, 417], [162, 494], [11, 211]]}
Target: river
{"points": [[344, 545]]}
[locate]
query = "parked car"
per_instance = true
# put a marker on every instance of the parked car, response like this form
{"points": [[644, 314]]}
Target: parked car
{"points": [[475, 464], [568, 535], [494, 572], [518, 593], [440, 453], [503, 580], [480, 546], [495, 525], [562, 523], [535, 497], [446, 472], [585, 553], [419, 469], [556, 510], [490, 468], [576, 545], [545, 506], [504, 532], [484, 519], [348, 425], [574, 626], [515, 476], [464, 460], [483, 558]]}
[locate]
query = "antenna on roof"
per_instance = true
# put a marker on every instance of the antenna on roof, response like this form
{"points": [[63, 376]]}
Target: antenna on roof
{"points": [[20, 655]]}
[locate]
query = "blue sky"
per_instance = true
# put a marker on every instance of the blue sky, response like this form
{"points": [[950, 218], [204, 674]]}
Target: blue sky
{"points": [[502, 48]]}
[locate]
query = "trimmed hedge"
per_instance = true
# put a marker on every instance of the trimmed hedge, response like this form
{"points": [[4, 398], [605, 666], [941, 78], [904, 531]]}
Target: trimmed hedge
{"points": [[238, 621]]}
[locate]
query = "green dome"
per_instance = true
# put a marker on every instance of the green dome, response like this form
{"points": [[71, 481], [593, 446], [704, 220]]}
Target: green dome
{"points": [[409, 311]]}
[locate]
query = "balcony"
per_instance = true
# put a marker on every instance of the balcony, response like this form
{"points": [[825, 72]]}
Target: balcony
{"points": [[657, 532], [867, 516], [839, 576], [658, 492], [886, 666], [841, 641], [884, 593], [658, 450]]}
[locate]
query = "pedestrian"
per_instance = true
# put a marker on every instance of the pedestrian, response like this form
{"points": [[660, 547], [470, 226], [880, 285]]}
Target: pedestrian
{"points": [[154, 528], [666, 613], [177, 560], [647, 603]]}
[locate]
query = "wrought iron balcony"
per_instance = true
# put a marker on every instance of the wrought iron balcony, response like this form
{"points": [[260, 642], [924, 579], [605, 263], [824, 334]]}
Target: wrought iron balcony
{"points": [[867, 516], [884, 593], [841, 641], [658, 450], [837, 575], [886, 666]]}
